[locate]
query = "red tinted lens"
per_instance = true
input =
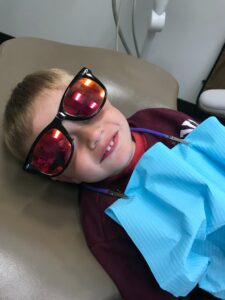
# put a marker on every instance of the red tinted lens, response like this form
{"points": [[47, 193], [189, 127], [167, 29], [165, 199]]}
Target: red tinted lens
{"points": [[84, 98], [52, 152]]}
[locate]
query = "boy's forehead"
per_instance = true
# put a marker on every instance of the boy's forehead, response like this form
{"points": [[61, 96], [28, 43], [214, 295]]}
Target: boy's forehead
{"points": [[45, 108]]}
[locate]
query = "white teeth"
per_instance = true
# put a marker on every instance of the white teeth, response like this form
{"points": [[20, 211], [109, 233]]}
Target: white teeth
{"points": [[110, 146]]}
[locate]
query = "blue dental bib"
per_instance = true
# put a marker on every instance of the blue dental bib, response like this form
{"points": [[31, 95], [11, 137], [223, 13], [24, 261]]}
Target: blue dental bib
{"points": [[175, 213]]}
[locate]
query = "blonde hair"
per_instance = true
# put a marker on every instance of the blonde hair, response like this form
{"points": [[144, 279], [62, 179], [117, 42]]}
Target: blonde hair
{"points": [[17, 121]]}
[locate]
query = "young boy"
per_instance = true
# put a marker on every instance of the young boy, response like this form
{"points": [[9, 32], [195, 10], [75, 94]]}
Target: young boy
{"points": [[69, 131]]}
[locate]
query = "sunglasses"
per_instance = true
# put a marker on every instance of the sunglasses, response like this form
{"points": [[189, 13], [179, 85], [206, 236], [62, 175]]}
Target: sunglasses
{"points": [[53, 149]]}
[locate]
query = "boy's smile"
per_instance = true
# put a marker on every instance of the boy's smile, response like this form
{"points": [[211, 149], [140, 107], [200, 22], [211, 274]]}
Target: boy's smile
{"points": [[103, 144], [110, 147]]}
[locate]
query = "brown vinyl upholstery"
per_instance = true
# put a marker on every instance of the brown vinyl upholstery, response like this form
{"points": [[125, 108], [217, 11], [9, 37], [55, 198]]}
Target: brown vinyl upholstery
{"points": [[43, 254]]}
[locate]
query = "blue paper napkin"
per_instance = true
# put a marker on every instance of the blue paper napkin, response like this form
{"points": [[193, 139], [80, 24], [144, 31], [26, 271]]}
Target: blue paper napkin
{"points": [[175, 213]]}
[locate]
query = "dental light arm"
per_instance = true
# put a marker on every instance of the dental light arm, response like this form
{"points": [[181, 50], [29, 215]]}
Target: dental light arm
{"points": [[158, 15], [160, 6]]}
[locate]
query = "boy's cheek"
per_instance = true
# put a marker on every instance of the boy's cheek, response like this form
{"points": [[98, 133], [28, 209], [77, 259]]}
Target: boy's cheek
{"points": [[67, 176]]}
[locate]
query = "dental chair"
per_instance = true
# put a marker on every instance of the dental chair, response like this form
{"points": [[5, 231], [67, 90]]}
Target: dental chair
{"points": [[43, 254]]}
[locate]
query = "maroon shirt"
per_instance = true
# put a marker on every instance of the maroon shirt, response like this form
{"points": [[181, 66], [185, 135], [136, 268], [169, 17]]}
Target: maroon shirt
{"points": [[108, 241]]}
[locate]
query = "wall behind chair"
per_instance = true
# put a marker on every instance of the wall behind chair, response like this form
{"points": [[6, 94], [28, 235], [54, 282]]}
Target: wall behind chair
{"points": [[187, 47], [83, 22]]}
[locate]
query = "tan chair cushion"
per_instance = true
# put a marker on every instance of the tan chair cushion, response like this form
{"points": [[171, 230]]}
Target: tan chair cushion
{"points": [[43, 254]]}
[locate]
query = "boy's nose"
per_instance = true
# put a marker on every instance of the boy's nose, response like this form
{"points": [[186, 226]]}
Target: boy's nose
{"points": [[91, 135]]}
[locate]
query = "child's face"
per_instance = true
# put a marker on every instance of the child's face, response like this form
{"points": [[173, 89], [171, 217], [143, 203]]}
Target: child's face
{"points": [[103, 144]]}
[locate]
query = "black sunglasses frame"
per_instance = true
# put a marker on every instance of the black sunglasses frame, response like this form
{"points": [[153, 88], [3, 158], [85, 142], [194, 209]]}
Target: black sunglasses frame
{"points": [[57, 123], [83, 73]]}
